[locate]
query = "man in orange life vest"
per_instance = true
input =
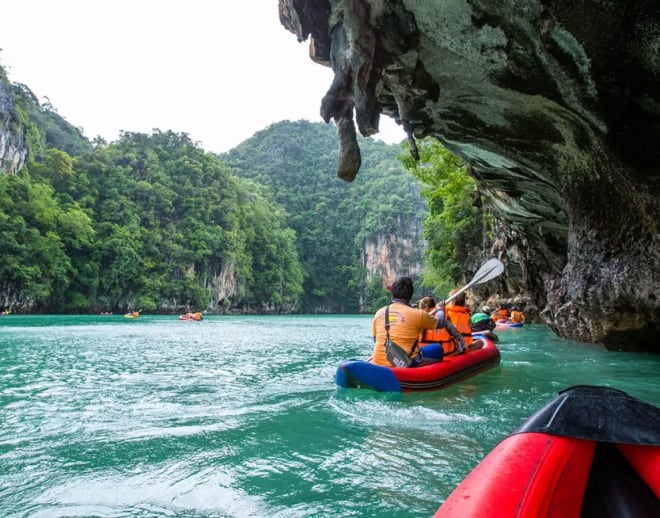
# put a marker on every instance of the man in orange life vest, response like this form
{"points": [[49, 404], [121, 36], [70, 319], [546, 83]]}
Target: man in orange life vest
{"points": [[406, 324]]}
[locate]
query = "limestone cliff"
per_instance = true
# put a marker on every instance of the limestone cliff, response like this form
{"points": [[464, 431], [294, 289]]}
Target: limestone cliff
{"points": [[28, 128], [13, 133], [389, 256], [556, 107]]}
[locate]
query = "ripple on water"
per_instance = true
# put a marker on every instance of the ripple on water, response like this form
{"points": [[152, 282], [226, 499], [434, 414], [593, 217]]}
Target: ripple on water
{"points": [[170, 490], [239, 416]]}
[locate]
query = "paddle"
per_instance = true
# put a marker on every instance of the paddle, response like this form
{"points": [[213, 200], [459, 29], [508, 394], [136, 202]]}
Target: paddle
{"points": [[489, 270]]}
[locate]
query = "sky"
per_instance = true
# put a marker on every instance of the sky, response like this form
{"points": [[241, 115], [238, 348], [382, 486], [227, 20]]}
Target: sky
{"points": [[217, 70]]}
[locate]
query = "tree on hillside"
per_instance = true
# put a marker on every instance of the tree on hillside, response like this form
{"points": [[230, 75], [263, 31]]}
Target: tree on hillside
{"points": [[456, 224], [334, 220], [149, 222]]}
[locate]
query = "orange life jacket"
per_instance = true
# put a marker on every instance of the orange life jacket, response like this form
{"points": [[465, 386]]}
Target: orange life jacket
{"points": [[457, 315], [438, 336], [500, 314], [460, 317]]}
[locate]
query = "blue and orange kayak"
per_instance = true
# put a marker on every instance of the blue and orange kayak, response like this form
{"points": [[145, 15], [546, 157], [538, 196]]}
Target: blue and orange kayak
{"points": [[482, 355]]}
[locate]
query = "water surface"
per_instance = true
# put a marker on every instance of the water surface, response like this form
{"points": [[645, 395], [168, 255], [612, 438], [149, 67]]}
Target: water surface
{"points": [[240, 417]]}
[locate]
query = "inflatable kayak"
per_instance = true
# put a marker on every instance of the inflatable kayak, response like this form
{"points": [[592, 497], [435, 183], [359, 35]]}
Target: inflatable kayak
{"points": [[482, 355], [506, 324], [589, 452]]}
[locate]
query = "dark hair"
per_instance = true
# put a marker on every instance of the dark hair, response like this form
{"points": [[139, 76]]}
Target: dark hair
{"points": [[427, 303], [402, 288]]}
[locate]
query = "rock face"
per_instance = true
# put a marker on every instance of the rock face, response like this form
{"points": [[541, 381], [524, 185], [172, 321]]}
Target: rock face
{"points": [[556, 107], [388, 256], [13, 135]]}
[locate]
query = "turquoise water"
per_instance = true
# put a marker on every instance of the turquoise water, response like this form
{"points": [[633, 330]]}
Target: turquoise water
{"points": [[240, 417]]}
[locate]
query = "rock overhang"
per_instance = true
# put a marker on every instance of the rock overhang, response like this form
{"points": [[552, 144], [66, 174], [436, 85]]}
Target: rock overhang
{"points": [[555, 106]]}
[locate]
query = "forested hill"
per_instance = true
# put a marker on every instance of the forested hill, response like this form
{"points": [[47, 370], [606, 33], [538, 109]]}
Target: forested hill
{"points": [[350, 237], [154, 223]]}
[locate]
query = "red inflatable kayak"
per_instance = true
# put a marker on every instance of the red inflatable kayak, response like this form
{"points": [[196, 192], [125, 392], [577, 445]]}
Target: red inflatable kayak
{"points": [[482, 355], [590, 452]]}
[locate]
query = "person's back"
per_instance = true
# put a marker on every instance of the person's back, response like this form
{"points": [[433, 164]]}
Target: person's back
{"points": [[500, 313], [449, 335], [405, 323], [517, 317], [459, 315]]}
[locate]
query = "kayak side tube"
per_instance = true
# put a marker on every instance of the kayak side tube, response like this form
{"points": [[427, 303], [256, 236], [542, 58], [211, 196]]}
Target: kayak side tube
{"points": [[482, 355], [526, 476]]}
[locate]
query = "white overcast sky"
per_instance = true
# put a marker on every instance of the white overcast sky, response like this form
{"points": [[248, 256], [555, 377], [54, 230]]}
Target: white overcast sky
{"points": [[216, 70]]}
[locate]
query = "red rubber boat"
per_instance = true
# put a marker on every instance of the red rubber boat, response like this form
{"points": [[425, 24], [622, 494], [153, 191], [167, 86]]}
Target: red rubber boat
{"points": [[590, 452], [482, 355]]}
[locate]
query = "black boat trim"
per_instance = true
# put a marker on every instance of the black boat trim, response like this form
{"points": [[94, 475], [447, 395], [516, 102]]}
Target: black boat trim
{"points": [[597, 413]]}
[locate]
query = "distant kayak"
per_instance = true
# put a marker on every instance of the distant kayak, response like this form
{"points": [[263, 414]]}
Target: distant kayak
{"points": [[589, 452], [507, 324], [482, 355], [191, 317]]}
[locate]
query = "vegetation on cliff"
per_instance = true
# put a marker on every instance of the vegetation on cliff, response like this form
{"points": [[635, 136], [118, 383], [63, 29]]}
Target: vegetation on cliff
{"points": [[458, 228], [149, 222], [153, 222], [334, 220]]}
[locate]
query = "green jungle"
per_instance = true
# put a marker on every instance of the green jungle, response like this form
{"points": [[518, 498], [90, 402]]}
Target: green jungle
{"points": [[154, 223]]}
